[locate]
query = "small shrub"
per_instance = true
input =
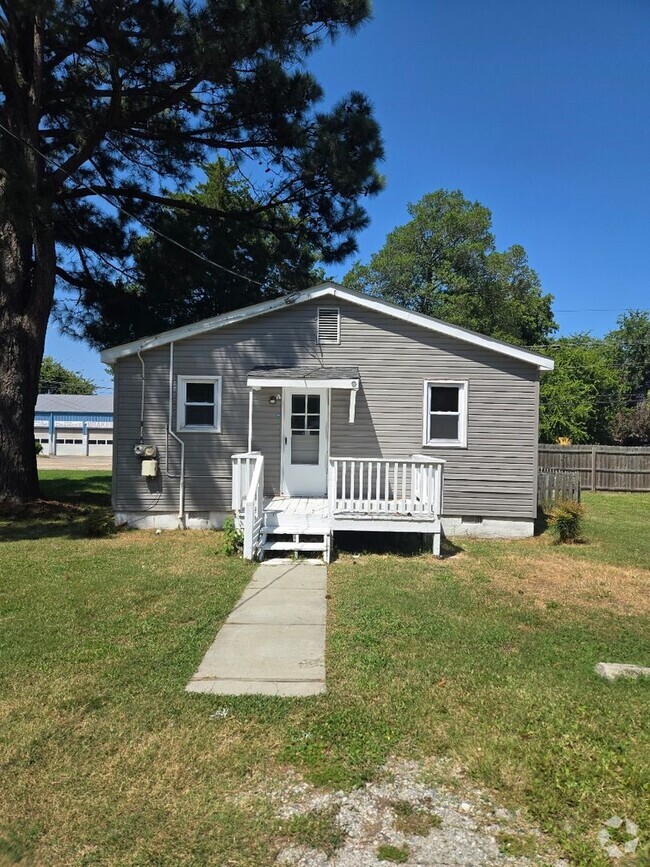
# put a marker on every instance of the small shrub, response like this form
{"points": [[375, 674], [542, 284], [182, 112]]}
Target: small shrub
{"points": [[396, 854], [38, 447], [565, 521], [233, 538], [98, 524]]}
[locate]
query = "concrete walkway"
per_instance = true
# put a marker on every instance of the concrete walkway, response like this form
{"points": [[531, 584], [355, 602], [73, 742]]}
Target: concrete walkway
{"points": [[73, 462], [273, 643]]}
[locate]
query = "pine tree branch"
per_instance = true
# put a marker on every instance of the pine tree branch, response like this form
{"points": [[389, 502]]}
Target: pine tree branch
{"points": [[174, 203]]}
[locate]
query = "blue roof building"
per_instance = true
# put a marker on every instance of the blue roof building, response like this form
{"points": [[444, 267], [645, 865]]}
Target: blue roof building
{"points": [[74, 424]]}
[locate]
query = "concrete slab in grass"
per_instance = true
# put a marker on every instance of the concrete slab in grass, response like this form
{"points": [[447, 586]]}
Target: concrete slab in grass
{"points": [[273, 643]]}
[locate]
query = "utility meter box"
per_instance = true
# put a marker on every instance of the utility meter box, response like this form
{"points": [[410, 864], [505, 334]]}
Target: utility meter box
{"points": [[145, 451], [149, 468]]}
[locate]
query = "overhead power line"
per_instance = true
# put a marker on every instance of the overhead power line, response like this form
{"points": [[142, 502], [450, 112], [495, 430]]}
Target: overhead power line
{"points": [[597, 310], [131, 216]]}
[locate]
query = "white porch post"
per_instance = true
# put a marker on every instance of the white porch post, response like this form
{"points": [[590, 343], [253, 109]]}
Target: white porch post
{"points": [[353, 404], [250, 420]]}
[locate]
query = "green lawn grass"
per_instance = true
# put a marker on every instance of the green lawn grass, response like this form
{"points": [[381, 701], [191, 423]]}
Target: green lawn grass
{"points": [[105, 760]]}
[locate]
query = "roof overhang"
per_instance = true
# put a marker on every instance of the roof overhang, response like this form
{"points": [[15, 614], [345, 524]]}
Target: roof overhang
{"points": [[331, 290], [304, 377]]}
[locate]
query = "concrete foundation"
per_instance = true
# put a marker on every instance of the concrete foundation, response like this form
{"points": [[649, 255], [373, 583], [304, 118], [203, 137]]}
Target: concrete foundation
{"points": [[170, 520], [489, 528]]}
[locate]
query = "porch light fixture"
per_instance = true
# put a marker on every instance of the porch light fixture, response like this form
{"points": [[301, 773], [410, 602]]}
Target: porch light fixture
{"points": [[275, 398]]}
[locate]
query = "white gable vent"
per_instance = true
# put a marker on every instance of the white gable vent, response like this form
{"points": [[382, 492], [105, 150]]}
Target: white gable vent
{"points": [[329, 325]]}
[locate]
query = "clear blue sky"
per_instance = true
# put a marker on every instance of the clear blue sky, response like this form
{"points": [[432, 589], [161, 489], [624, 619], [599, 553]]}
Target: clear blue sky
{"points": [[538, 110]]}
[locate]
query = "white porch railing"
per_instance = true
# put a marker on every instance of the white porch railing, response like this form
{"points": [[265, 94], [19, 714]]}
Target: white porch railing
{"points": [[248, 496], [243, 465], [367, 486]]}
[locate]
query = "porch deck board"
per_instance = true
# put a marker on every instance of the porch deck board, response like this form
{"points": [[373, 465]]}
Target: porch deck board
{"points": [[297, 514], [316, 506], [305, 512]]}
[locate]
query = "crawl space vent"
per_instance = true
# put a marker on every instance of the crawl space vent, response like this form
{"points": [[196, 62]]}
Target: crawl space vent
{"points": [[471, 519], [329, 325]]}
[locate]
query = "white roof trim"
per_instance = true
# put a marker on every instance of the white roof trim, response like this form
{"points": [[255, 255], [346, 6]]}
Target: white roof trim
{"points": [[109, 356], [298, 382]]}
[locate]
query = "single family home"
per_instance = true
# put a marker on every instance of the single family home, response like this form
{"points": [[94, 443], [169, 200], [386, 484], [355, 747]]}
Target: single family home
{"points": [[326, 410]]}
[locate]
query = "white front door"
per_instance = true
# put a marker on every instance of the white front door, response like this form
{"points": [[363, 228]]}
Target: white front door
{"points": [[305, 440]]}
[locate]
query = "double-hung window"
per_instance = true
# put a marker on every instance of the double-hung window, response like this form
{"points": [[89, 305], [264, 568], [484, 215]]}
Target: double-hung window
{"points": [[199, 403], [445, 413]]}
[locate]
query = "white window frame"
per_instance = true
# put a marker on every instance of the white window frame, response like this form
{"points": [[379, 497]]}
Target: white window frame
{"points": [[329, 342], [181, 394], [463, 388]]}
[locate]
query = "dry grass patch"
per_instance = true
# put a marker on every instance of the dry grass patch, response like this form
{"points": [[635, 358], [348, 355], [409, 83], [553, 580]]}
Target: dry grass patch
{"points": [[554, 578]]}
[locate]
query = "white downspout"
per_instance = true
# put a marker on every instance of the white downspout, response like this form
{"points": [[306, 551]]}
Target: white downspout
{"points": [[250, 420], [142, 397], [181, 487]]}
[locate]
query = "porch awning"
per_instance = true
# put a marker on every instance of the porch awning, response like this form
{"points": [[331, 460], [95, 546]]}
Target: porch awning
{"points": [[304, 377]]}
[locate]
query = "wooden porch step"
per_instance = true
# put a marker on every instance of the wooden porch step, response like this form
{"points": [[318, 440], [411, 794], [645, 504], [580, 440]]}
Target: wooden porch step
{"points": [[295, 530], [294, 546]]}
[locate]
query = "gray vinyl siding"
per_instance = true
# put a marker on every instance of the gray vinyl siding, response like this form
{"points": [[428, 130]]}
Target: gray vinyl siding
{"points": [[493, 477]]}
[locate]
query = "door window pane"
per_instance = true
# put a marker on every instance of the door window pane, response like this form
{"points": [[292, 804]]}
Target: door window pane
{"points": [[304, 449], [305, 428]]}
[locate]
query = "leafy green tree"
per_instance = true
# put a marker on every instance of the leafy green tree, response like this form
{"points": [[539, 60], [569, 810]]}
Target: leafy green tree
{"points": [[171, 287], [444, 262], [122, 99], [631, 425], [580, 398], [57, 379], [630, 346]]}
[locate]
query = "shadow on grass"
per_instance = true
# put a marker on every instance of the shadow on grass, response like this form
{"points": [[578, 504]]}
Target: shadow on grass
{"points": [[76, 504], [89, 489], [404, 544], [541, 522]]}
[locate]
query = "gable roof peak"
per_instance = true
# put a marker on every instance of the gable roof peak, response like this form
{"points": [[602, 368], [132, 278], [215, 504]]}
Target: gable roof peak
{"points": [[327, 288]]}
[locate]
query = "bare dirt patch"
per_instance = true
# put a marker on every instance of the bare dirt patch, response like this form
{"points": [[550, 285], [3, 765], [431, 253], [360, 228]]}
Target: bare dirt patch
{"points": [[465, 826]]}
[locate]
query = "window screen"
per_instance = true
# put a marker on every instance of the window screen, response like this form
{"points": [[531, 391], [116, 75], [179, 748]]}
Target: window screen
{"points": [[199, 403], [446, 410]]}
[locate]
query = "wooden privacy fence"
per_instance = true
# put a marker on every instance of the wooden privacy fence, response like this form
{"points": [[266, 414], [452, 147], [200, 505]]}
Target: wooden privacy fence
{"points": [[553, 485], [601, 468]]}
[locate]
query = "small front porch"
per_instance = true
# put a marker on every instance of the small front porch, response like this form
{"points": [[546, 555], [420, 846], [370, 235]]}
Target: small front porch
{"points": [[364, 494]]}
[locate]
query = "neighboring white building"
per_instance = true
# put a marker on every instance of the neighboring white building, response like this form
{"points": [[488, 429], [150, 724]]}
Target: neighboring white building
{"points": [[75, 424]]}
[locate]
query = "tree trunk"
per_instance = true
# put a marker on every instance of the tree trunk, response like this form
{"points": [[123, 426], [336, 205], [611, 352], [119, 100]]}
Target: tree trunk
{"points": [[27, 263], [27, 251]]}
